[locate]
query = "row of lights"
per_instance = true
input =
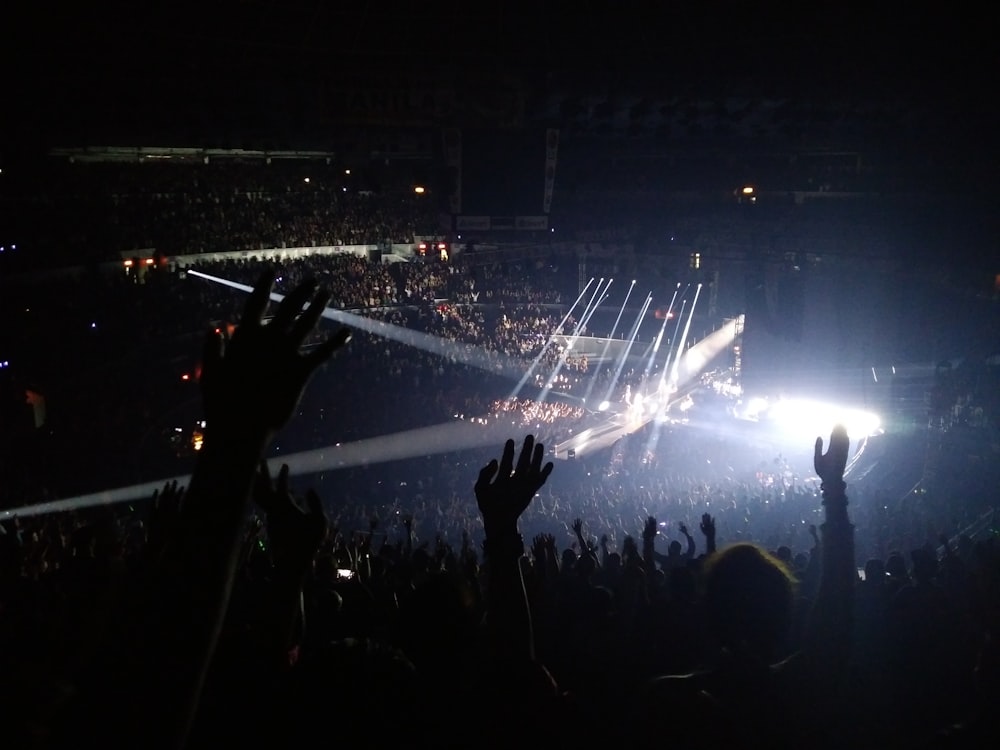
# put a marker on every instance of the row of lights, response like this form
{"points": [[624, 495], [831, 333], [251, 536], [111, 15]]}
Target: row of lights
{"points": [[418, 189]]}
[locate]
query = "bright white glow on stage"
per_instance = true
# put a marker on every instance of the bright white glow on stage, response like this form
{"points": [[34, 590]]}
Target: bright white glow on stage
{"points": [[694, 361], [803, 419]]}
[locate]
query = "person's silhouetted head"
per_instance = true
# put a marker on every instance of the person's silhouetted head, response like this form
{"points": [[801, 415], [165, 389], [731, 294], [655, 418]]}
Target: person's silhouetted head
{"points": [[749, 597], [874, 571]]}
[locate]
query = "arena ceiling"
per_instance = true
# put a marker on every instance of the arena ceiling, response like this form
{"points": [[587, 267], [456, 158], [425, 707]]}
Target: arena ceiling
{"points": [[261, 68]]}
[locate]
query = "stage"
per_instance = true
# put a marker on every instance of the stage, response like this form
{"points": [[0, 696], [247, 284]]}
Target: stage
{"points": [[602, 429]]}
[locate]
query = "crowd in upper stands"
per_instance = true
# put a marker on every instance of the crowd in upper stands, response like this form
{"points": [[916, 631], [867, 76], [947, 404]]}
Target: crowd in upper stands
{"points": [[98, 211]]}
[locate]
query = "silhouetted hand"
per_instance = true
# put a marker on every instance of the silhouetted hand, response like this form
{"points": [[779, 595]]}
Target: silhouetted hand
{"points": [[503, 492], [630, 551], [649, 530], [830, 465], [252, 383], [294, 534], [164, 517], [707, 526], [539, 546], [578, 527], [550, 544], [683, 529]]}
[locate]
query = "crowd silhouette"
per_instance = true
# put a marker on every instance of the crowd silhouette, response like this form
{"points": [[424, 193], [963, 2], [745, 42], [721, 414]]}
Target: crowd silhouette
{"points": [[492, 602]]}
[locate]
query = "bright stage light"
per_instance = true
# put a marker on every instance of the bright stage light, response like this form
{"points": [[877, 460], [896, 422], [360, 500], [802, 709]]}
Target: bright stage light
{"points": [[604, 406], [805, 419], [755, 407]]}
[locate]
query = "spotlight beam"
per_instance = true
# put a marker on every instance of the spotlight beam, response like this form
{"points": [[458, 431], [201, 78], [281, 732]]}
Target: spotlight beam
{"points": [[607, 344], [439, 438], [683, 338], [659, 337], [538, 358], [628, 348], [495, 362], [587, 315], [673, 341]]}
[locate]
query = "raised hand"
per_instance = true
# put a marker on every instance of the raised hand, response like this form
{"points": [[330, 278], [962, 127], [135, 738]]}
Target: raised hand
{"points": [[252, 383], [538, 547], [649, 530], [578, 526], [295, 534], [550, 544], [707, 525], [503, 492], [630, 550], [683, 529], [830, 465], [164, 518]]}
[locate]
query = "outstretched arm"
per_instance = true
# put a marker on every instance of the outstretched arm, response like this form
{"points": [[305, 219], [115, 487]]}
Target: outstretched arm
{"points": [[691, 547], [295, 535], [251, 385], [831, 619], [502, 494], [708, 529]]}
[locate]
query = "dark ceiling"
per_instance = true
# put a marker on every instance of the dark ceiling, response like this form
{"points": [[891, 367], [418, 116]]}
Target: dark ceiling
{"points": [[100, 72]]}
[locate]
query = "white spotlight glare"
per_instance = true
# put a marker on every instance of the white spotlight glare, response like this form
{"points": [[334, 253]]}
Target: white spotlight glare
{"points": [[806, 419]]}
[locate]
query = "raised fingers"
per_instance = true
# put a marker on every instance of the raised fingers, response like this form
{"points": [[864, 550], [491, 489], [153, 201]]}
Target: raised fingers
{"points": [[257, 302], [292, 305], [507, 459], [307, 320]]}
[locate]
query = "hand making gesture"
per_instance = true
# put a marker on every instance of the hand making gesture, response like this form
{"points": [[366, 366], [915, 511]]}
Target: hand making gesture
{"points": [[503, 491], [253, 382], [830, 465]]}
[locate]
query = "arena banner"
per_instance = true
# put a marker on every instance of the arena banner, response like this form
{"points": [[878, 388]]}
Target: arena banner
{"points": [[371, 99], [531, 223], [472, 223]]}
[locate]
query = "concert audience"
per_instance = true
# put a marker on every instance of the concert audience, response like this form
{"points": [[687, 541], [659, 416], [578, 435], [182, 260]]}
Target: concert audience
{"points": [[383, 604]]}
